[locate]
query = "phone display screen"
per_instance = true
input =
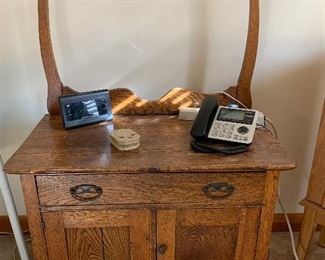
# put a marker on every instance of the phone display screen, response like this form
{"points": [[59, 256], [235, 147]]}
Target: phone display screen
{"points": [[236, 115], [231, 114]]}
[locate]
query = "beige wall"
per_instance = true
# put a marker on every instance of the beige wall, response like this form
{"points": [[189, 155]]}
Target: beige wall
{"points": [[151, 46]]}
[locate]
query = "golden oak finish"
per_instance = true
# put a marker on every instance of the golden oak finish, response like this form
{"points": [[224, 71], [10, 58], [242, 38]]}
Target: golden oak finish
{"points": [[314, 202], [206, 233], [118, 234], [163, 189], [51, 72], [150, 202], [35, 223], [166, 233], [87, 200], [267, 213], [125, 102], [55, 235], [321, 241], [316, 187], [165, 147]]}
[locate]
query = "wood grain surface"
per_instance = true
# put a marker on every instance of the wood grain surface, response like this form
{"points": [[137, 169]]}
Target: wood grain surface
{"points": [[98, 218], [85, 243], [165, 147], [116, 243], [55, 235], [54, 84], [247, 249], [316, 187], [321, 241], [126, 102], [212, 241], [307, 230], [243, 91], [314, 202], [279, 222], [35, 222], [153, 188], [241, 240], [207, 233], [166, 233], [267, 213], [141, 234], [125, 234]]}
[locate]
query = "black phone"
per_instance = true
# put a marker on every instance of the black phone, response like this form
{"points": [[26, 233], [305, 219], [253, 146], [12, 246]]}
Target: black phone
{"points": [[204, 118], [209, 132]]}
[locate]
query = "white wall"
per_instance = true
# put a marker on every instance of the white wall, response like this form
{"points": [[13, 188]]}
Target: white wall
{"points": [[151, 46]]}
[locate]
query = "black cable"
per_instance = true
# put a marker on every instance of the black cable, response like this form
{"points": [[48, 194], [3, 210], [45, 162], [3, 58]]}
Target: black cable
{"points": [[217, 148]]}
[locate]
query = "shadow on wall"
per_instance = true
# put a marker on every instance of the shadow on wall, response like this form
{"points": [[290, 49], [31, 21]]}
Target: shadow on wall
{"points": [[184, 49], [292, 97]]}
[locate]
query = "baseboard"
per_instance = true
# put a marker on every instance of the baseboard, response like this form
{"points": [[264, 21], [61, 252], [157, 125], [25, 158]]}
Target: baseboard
{"points": [[279, 222], [6, 227]]}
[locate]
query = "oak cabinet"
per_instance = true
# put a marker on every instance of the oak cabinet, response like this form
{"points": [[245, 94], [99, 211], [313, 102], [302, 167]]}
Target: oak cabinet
{"points": [[175, 216], [101, 234], [207, 233], [87, 200], [183, 233]]}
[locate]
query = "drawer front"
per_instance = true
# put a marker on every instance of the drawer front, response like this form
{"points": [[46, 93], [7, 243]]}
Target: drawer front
{"points": [[212, 189]]}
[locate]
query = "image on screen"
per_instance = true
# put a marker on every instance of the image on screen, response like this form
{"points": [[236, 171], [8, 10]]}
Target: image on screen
{"points": [[82, 109]]}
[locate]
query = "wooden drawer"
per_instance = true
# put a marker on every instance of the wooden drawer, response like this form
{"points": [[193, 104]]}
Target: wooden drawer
{"points": [[214, 189]]}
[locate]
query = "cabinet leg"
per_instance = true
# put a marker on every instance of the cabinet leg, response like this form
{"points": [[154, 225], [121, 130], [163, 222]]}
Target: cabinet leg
{"points": [[307, 230], [321, 241], [267, 213]]}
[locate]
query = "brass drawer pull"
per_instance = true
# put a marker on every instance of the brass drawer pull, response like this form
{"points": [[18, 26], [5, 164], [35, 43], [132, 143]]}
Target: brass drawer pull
{"points": [[218, 190], [86, 192]]}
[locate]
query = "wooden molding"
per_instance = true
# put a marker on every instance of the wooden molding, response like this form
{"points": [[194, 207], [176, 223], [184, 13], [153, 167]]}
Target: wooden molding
{"points": [[5, 223], [126, 102], [279, 223]]}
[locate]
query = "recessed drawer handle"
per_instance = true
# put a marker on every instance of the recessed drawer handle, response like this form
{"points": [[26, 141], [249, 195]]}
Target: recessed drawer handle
{"points": [[218, 190], [86, 192]]}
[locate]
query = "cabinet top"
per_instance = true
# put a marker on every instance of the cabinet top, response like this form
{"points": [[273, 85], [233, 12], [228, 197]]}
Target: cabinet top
{"points": [[165, 147]]}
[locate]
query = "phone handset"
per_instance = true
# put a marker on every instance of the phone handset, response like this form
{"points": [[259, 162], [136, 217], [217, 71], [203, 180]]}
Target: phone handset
{"points": [[203, 120], [222, 129]]}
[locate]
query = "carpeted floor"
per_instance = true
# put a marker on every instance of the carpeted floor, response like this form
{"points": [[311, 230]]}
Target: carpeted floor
{"points": [[280, 248]]}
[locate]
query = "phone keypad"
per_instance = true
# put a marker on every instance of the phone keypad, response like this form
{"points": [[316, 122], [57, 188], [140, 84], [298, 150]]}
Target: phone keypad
{"points": [[226, 131], [222, 129]]}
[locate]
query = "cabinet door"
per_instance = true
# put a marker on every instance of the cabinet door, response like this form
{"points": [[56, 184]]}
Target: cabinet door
{"points": [[221, 234], [107, 234]]}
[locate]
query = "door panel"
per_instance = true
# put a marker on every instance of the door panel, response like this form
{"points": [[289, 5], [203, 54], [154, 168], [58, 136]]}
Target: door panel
{"points": [[84, 243], [111, 234], [206, 242], [220, 234], [116, 242], [55, 236]]}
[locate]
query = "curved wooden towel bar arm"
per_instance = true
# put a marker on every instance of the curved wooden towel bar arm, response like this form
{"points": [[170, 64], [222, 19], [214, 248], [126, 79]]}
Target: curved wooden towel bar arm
{"points": [[124, 101]]}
